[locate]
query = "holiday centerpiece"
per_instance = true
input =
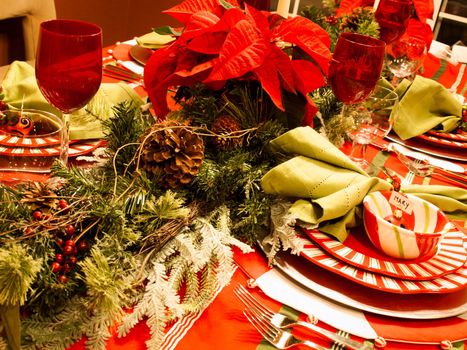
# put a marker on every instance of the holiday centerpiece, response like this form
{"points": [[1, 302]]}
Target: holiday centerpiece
{"points": [[148, 234]]}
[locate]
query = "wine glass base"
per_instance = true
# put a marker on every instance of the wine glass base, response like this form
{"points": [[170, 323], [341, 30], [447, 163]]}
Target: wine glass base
{"points": [[362, 163]]}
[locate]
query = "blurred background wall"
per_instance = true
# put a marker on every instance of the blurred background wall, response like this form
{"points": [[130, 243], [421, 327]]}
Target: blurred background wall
{"points": [[125, 19]]}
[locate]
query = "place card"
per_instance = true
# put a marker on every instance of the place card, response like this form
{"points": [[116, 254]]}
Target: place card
{"points": [[401, 201]]}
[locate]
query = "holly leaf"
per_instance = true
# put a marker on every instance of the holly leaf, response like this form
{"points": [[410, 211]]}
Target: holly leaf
{"points": [[183, 11], [244, 49], [167, 30], [226, 5], [309, 36]]}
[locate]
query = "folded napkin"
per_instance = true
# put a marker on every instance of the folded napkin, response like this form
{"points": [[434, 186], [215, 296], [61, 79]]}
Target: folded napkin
{"points": [[330, 186], [426, 104], [451, 200], [154, 40], [21, 91]]}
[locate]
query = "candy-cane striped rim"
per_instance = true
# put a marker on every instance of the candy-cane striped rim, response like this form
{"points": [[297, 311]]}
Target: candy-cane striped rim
{"points": [[444, 284], [448, 135], [443, 141], [75, 149], [450, 257]]}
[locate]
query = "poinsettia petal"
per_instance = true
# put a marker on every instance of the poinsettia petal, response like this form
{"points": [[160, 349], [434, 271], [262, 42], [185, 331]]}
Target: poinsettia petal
{"points": [[307, 76], [201, 20], [347, 6], [309, 36], [209, 43], [424, 9], [260, 20], [161, 64], [269, 78], [419, 30], [183, 11], [282, 63], [310, 112], [244, 50], [157, 91]]}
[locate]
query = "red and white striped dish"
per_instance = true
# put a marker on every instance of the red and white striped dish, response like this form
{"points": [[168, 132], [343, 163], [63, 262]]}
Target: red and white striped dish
{"points": [[448, 135], [357, 250], [439, 141], [16, 141], [75, 149], [445, 284]]}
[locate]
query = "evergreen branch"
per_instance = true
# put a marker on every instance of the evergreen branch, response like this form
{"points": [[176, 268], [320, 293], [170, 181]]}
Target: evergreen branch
{"points": [[18, 271]]}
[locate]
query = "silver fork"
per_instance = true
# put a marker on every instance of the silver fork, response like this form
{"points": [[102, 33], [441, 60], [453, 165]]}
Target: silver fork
{"points": [[279, 338], [282, 321], [408, 179]]}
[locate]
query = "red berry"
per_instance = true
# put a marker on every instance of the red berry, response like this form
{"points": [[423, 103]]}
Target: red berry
{"points": [[62, 279], [37, 215], [63, 204], [59, 242], [68, 250], [59, 258], [3, 106], [83, 245], [56, 267], [70, 229], [67, 268], [28, 231], [72, 260], [70, 242]]}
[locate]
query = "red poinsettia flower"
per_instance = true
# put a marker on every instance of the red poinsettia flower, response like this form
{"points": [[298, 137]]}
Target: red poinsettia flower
{"points": [[221, 41]]}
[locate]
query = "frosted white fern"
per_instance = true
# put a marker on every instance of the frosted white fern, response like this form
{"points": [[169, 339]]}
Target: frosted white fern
{"points": [[283, 232]]}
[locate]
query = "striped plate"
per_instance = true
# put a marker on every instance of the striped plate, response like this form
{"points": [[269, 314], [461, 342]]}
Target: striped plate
{"points": [[358, 251], [443, 141], [75, 149], [444, 284], [462, 136]]}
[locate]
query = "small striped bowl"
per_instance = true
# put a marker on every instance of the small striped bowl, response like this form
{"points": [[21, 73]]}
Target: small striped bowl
{"points": [[420, 236]]}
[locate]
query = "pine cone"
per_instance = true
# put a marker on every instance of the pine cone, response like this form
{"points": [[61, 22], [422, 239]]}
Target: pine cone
{"points": [[172, 153], [226, 125], [39, 196]]}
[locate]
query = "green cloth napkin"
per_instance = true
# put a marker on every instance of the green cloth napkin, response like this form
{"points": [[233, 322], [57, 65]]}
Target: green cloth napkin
{"points": [[328, 184], [154, 40], [425, 105], [451, 200], [21, 91]]}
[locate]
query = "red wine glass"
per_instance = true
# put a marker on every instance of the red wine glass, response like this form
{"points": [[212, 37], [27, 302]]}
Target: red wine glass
{"points": [[69, 63], [354, 71], [393, 18], [404, 57], [355, 67]]}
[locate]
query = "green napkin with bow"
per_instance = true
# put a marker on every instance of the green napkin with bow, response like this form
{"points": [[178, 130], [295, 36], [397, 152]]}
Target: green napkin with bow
{"points": [[425, 105], [154, 40], [21, 91], [328, 186]]}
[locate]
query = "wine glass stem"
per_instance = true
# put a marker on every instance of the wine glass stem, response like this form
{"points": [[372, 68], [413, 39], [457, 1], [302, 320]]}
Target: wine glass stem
{"points": [[395, 81], [66, 138]]}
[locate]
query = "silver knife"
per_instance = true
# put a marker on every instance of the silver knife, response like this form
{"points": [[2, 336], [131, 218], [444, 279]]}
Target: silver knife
{"points": [[440, 163]]}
